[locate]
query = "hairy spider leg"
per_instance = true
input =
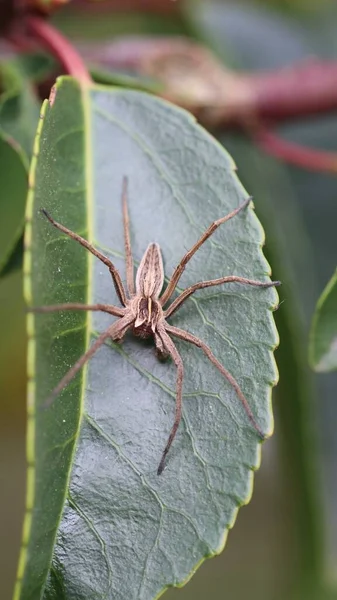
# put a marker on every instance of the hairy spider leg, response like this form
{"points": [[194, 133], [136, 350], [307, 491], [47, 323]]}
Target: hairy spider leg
{"points": [[116, 311], [209, 231], [161, 351], [116, 278], [130, 282], [188, 337], [172, 350], [205, 284], [116, 331]]}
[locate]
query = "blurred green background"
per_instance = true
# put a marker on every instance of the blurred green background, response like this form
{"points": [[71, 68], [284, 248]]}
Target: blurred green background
{"points": [[284, 544]]}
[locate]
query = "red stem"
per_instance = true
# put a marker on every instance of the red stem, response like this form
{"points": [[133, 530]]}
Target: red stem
{"points": [[59, 46], [248, 99], [300, 156], [307, 88], [296, 91]]}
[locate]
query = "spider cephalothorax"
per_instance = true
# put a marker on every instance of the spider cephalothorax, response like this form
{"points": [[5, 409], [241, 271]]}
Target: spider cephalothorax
{"points": [[149, 282], [143, 309]]}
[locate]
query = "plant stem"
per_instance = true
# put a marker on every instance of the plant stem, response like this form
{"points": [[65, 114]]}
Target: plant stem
{"points": [[59, 47], [295, 154]]}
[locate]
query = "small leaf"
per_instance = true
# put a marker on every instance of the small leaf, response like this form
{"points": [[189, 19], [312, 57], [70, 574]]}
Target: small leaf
{"points": [[19, 106], [106, 76], [35, 66], [13, 177], [15, 259], [100, 522], [323, 337], [19, 115]]}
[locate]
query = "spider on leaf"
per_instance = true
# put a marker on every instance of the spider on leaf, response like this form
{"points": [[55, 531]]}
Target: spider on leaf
{"points": [[143, 309]]}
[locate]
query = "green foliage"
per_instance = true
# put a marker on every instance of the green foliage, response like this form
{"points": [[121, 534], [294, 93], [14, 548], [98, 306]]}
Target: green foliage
{"points": [[294, 395], [288, 248], [19, 114], [12, 199], [278, 541], [19, 107], [323, 338], [114, 78], [100, 522]]}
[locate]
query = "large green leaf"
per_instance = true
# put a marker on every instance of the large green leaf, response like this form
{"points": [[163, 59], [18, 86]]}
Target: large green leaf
{"points": [[100, 522], [323, 338]]}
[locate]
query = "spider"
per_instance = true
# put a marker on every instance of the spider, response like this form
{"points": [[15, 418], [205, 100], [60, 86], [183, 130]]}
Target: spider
{"points": [[143, 309]]}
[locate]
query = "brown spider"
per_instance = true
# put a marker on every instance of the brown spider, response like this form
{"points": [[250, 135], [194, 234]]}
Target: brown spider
{"points": [[143, 309]]}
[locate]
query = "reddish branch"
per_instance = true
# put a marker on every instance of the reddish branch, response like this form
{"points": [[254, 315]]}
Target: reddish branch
{"points": [[226, 96], [59, 47], [193, 78], [295, 154], [304, 89]]}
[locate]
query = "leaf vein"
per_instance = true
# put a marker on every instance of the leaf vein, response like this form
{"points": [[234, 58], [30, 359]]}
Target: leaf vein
{"points": [[101, 540]]}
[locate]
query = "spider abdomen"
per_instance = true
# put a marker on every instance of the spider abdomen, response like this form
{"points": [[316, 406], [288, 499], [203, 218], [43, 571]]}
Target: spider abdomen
{"points": [[143, 331]]}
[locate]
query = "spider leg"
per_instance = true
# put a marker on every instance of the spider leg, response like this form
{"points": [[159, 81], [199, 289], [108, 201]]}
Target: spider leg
{"points": [[161, 351], [127, 243], [109, 308], [188, 337], [116, 278], [172, 350], [204, 284], [115, 330], [180, 268]]}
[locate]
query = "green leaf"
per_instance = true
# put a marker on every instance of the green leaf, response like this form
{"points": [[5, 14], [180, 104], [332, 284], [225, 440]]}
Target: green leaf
{"points": [[105, 76], [323, 337], [13, 177], [19, 115], [100, 522], [35, 66], [19, 106]]}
